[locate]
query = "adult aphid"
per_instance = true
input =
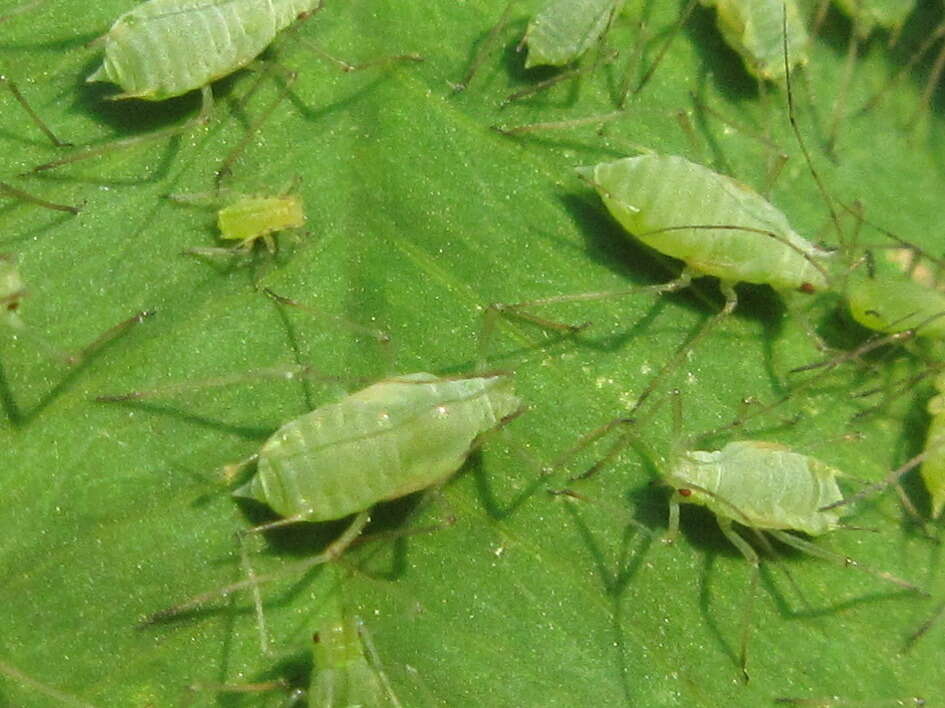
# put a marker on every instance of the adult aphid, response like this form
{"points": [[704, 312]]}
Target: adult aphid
{"points": [[395, 437], [167, 48], [763, 486], [715, 225], [755, 30]]}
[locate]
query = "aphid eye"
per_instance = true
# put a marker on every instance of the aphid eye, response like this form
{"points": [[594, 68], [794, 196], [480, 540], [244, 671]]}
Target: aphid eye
{"points": [[12, 307], [315, 638], [807, 288], [684, 492]]}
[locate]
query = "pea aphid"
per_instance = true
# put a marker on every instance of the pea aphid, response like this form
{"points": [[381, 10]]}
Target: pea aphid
{"points": [[763, 487], [715, 225], [393, 438], [347, 670], [755, 30], [166, 48], [564, 30]]}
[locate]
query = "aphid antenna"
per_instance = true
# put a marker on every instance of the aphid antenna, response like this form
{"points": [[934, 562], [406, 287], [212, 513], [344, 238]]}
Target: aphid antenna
{"points": [[286, 372], [12, 191], [648, 74], [792, 118], [25, 7], [34, 116], [15, 674], [512, 130], [837, 702]]}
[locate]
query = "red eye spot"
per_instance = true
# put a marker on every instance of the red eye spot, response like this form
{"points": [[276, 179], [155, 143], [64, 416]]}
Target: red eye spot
{"points": [[684, 492], [315, 638], [12, 306], [807, 288]]}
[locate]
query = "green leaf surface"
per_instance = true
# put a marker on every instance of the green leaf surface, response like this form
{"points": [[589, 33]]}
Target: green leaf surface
{"points": [[419, 215]]}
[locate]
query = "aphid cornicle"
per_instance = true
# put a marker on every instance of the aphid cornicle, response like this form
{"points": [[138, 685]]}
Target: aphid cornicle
{"points": [[755, 29]]}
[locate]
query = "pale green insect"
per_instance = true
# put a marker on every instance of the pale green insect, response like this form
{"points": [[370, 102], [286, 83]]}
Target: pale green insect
{"points": [[393, 438], [755, 29], [563, 30], [249, 219], [166, 48], [893, 305], [869, 14], [347, 670], [714, 224]]}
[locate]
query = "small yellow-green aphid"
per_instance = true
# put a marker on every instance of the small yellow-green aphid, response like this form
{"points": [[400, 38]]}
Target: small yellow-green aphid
{"points": [[933, 467], [755, 29], [12, 290], [257, 217], [563, 30]]}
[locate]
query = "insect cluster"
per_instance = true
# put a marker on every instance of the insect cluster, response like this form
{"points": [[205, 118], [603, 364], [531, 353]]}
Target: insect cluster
{"points": [[400, 196]]}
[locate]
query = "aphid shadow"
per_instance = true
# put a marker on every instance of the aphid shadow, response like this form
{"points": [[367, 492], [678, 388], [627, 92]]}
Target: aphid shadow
{"points": [[493, 507], [246, 432], [719, 61]]}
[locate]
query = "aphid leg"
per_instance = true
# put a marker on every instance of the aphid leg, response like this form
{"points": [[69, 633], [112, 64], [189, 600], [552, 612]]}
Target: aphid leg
{"points": [[202, 117], [557, 124], [25, 7], [33, 199], [287, 372], [381, 337], [924, 627], [837, 702], [731, 301], [374, 659], [47, 131], [752, 557], [625, 91], [842, 93], [263, 67], [517, 309], [484, 50], [540, 86], [332, 551], [29, 682], [815, 550]]}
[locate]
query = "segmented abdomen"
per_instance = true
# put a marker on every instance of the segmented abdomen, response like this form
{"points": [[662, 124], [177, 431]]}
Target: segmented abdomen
{"points": [[391, 439], [165, 48]]}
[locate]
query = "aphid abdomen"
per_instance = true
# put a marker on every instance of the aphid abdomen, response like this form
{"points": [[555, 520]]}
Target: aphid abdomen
{"points": [[12, 290], [253, 217], [655, 197], [893, 305], [762, 485], [754, 29], [165, 48], [565, 29], [393, 438], [933, 467]]}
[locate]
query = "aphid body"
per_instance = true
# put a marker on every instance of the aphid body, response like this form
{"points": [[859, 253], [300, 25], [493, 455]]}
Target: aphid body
{"points": [[395, 437], [656, 197], [868, 14], [894, 305], [252, 218], [346, 669], [563, 30], [755, 29], [933, 467], [165, 48], [759, 484]]}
